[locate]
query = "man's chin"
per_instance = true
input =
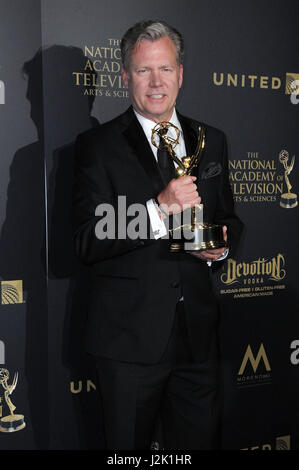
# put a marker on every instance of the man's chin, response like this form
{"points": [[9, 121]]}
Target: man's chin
{"points": [[158, 115]]}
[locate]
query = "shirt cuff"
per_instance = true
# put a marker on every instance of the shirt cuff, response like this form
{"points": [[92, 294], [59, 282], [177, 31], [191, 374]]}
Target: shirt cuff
{"points": [[220, 258], [225, 253], [158, 227]]}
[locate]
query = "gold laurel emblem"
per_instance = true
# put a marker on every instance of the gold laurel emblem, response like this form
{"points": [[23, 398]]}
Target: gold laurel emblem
{"points": [[283, 443], [11, 292], [291, 86]]}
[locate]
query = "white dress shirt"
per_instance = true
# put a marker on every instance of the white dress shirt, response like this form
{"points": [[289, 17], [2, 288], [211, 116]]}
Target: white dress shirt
{"points": [[157, 225]]}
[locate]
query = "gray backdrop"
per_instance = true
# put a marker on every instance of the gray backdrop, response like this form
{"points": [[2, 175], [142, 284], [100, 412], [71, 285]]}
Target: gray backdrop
{"points": [[239, 58]]}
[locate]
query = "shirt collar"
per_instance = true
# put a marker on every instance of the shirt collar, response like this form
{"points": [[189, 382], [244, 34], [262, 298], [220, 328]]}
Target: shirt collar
{"points": [[148, 124]]}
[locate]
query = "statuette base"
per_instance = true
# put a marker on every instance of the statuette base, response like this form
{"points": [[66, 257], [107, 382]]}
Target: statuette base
{"points": [[12, 423], [203, 237], [288, 200]]}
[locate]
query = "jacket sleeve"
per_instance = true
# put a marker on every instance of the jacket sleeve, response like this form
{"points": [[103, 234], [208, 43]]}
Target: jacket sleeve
{"points": [[100, 223], [225, 212]]}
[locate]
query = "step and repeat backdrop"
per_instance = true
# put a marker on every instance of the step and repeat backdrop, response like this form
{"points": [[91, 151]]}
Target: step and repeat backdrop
{"points": [[60, 74]]}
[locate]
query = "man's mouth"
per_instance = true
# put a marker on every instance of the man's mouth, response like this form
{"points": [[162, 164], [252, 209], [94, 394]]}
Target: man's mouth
{"points": [[156, 96]]}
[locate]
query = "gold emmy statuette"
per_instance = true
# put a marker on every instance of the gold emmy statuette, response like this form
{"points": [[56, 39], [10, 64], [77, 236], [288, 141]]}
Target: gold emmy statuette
{"points": [[195, 235], [11, 422], [287, 200]]}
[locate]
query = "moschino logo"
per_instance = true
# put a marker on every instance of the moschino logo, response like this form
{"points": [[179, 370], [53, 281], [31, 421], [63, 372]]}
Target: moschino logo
{"points": [[12, 292]]}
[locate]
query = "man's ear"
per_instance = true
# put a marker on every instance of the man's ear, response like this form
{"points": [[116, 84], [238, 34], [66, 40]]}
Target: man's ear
{"points": [[181, 69], [125, 77]]}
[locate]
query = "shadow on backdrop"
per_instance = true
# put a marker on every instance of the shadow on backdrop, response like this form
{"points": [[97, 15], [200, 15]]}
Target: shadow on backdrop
{"points": [[22, 256], [36, 246]]}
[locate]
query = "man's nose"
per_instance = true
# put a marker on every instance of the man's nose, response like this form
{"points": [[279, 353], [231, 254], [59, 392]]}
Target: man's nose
{"points": [[155, 78]]}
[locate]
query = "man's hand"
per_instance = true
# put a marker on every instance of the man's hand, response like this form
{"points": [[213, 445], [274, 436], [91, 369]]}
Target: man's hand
{"points": [[180, 194], [211, 255]]}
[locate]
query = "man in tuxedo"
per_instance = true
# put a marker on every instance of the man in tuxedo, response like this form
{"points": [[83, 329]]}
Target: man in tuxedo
{"points": [[152, 314]]}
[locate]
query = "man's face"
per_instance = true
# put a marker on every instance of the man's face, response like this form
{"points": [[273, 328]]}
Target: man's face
{"points": [[154, 79]]}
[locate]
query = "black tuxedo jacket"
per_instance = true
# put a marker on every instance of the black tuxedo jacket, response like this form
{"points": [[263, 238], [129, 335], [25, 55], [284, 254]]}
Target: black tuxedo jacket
{"points": [[136, 283]]}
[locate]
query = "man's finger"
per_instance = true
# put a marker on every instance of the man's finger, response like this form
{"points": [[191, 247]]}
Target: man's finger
{"points": [[186, 179], [225, 232]]}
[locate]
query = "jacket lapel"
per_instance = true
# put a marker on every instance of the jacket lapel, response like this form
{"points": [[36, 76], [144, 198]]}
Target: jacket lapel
{"points": [[136, 138]]}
